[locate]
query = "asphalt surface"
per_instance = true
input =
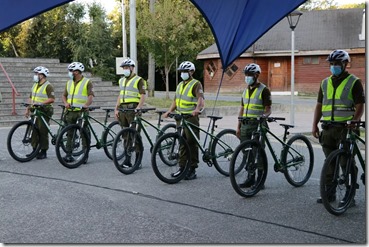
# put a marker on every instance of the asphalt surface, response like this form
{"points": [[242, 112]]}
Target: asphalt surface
{"points": [[43, 202]]}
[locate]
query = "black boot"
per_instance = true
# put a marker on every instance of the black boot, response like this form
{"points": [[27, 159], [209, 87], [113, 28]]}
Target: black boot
{"points": [[177, 173], [41, 155], [191, 174], [250, 181], [331, 195]]}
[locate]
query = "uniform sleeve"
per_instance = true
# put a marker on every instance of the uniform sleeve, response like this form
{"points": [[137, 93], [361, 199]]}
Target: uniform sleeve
{"points": [[50, 91], [90, 89], [358, 92], [198, 91], [267, 97], [320, 95], [142, 86]]}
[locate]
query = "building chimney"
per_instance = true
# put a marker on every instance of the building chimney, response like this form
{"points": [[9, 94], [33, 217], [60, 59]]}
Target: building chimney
{"points": [[362, 35]]}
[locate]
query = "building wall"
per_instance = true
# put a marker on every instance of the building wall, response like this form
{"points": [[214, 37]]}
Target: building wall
{"points": [[307, 75]]}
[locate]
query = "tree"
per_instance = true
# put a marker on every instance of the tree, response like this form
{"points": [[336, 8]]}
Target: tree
{"points": [[318, 5], [176, 30]]}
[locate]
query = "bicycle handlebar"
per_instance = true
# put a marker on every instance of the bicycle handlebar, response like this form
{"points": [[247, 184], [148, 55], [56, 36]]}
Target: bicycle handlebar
{"points": [[260, 119], [139, 110]]}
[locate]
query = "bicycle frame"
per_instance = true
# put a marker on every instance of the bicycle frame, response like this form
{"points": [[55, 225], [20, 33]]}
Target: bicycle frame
{"points": [[203, 148], [353, 148], [141, 124]]}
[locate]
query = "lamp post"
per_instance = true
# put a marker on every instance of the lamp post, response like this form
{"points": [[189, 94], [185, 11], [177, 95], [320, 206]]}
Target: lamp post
{"points": [[293, 19]]}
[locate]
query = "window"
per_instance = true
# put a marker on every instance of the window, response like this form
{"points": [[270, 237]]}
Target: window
{"points": [[231, 70], [311, 60], [211, 68]]}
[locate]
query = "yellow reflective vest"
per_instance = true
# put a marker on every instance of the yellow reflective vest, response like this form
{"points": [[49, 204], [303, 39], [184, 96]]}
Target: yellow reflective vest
{"points": [[186, 102], [253, 104], [77, 94], [338, 103], [129, 92], [39, 94]]}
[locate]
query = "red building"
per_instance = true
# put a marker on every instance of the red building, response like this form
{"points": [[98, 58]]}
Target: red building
{"points": [[317, 34]]}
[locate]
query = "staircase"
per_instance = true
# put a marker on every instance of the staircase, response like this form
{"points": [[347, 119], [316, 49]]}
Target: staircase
{"points": [[20, 71]]}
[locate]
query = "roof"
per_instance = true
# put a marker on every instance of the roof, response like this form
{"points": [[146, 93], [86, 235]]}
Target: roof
{"points": [[319, 30]]}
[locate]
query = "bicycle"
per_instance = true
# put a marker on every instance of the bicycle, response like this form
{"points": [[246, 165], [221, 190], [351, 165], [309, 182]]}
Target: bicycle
{"points": [[76, 138], [218, 151], [20, 136], [296, 159], [128, 142], [338, 192]]}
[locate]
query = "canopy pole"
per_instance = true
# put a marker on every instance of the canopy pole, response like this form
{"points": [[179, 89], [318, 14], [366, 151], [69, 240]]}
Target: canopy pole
{"points": [[215, 102]]}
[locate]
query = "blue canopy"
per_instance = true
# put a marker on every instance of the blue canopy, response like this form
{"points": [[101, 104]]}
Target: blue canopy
{"points": [[13, 12], [237, 24]]}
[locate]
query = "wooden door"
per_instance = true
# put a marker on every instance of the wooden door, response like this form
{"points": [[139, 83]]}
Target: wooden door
{"points": [[278, 74]]}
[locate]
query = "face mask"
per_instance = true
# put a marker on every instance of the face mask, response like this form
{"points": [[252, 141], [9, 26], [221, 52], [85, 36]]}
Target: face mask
{"points": [[249, 80], [185, 76], [35, 78], [336, 70], [126, 72]]}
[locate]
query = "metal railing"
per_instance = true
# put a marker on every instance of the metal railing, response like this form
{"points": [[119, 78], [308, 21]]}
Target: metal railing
{"points": [[14, 90]]}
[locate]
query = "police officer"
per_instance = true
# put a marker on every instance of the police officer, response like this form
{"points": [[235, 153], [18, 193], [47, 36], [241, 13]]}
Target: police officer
{"points": [[132, 93], [189, 99], [255, 102], [341, 98], [43, 94], [78, 93]]}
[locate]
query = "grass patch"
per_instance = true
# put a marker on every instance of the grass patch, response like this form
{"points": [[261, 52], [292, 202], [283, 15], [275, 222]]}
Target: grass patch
{"points": [[165, 103]]}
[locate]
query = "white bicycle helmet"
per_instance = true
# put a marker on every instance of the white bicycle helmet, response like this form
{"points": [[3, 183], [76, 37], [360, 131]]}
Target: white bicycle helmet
{"points": [[37, 69], [186, 66], [42, 70], [128, 62], [252, 68], [339, 55], [76, 66]]}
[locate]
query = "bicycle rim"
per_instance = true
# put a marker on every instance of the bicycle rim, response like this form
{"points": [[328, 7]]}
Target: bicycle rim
{"points": [[338, 192], [108, 138], [248, 161], [298, 158], [165, 159]]}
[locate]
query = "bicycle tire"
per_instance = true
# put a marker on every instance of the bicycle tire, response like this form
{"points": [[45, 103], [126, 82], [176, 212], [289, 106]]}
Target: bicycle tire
{"points": [[221, 153], [79, 149], [108, 137], [299, 173], [19, 141], [168, 128], [343, 189], [167, 149], [244, 162], [127, 146]]}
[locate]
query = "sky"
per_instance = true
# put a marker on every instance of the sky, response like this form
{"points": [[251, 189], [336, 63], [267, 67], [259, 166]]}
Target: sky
{"points": [[110, 4]]}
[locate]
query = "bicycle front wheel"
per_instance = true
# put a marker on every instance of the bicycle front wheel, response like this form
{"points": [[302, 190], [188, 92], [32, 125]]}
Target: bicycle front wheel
{"points": [[248, 168], [127, 150], [338, 186], [108, 138], [19, 142], [72, 146], [170, 158], [298, 159], [223, 146]]}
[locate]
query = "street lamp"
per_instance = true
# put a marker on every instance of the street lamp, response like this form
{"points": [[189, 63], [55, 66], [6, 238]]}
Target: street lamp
{"points": [[293, 19]]}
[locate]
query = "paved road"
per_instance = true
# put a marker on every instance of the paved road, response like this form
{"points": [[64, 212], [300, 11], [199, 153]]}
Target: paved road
{"points": [[44, 202]]}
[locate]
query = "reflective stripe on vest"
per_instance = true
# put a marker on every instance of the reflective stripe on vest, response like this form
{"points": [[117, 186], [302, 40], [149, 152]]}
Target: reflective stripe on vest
{"points": [[129, 92], [185, 101], [254, 106], [77, 94], [39, 95], [338, 104]]}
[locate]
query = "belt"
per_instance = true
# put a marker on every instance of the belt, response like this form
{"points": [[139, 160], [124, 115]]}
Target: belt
{"points": [[128, 105]]}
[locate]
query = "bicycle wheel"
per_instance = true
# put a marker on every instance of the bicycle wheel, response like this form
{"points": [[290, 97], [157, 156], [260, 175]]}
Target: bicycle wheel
{"points": [[248, 168], [165, 159], [19, 141], [108, 138], [168, 128], [127, 150], [338, 192], [298, 159], [222, 148], [72, 146]]}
